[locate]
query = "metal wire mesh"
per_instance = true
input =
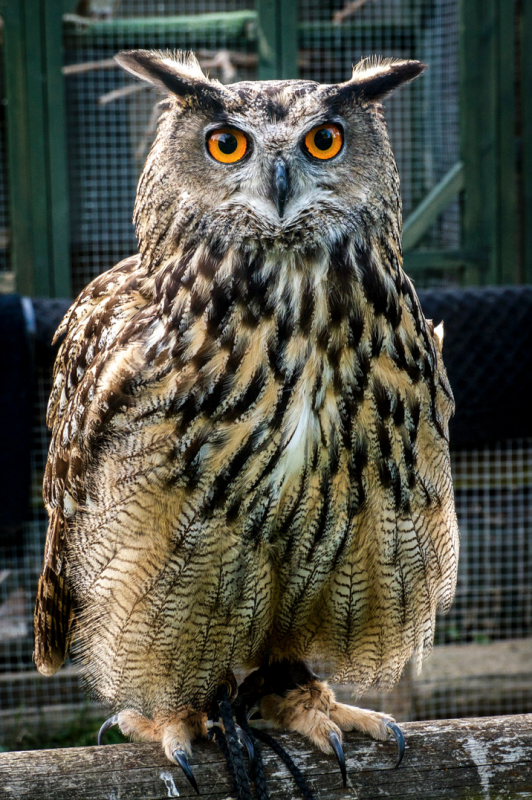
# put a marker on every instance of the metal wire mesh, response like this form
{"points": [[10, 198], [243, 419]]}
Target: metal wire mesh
{"points": [[112, 118], [494, 592], [422, 118], [483, 653], [482, 662], [4, 217]]}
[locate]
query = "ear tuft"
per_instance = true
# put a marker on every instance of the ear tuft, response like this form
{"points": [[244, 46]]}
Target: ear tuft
{"points": [[375, 78], [177, 73]]}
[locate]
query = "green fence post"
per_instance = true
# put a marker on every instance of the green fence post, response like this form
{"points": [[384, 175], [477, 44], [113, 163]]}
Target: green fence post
{"points": [[267, 39], [478, 134], [37, 153], [59, 206], [510, 269], [36, 147], [288, 38], [526, 95], [278, 39], [487, 133], [18, 145]]}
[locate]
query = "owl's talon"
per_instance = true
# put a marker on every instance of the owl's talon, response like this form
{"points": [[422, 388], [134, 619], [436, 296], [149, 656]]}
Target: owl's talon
{"points": [[109, 723], [247, 742], [394, 729], [336, 745], [180, 757]]}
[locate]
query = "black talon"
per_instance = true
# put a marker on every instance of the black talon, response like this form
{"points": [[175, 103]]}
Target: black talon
{"points": [[339, 753], [181, 759], [245, 739], [105, 727], [399, 738]]}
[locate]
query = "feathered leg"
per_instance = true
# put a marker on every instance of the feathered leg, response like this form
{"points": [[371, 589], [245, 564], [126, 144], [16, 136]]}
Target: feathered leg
{"points": [[290, 696], [175, 731]]}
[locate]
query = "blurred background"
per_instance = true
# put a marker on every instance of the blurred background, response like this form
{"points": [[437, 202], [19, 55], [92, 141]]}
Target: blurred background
{"points": [[74, 132]]}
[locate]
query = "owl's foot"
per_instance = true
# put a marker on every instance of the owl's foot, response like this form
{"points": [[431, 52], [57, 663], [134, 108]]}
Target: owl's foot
{"points": [[291, 696], [312, 711], [174, 731]]}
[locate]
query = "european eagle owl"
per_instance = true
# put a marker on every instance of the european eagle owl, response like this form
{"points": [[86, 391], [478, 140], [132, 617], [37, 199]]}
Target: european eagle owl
{"points": [[249, 464]]}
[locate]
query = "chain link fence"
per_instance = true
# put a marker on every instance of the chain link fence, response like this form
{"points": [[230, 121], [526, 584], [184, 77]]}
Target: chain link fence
{"points": [[482, 663], [422, 118], [112, 118]]}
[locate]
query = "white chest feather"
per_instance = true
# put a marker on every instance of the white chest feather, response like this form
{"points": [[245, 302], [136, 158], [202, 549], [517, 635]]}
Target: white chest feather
{"points": [[299, 435]]}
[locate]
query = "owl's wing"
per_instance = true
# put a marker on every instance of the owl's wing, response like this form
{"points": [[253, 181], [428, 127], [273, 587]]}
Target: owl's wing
{"points": [[403, 565], [90, 328]]}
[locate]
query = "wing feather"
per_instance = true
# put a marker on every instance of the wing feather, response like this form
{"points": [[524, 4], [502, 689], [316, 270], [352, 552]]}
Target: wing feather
{"points": [[88, 328]]}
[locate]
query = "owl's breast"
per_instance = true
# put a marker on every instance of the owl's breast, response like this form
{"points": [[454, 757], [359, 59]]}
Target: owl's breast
{"points": [[308, 485], [300, 435]]}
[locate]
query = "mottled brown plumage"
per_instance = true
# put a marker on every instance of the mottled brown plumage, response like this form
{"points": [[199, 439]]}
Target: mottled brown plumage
{"points": [[249, 460]]}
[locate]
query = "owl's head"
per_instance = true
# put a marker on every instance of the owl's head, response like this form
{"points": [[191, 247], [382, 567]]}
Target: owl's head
{"points": [[290, 164]]}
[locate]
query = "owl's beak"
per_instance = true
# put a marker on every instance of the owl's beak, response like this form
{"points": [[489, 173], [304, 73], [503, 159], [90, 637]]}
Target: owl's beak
{"points": [[280, 185]]}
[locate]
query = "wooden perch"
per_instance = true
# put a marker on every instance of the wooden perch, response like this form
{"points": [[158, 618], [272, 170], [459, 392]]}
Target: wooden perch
{"points": [[487, 758]]}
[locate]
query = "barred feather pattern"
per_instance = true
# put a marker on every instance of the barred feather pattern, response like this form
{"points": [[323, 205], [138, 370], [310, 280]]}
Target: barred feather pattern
{"points": [[251, 459], [249, 456]]}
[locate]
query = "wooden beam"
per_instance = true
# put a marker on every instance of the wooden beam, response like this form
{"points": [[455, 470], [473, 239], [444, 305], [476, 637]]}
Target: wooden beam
{"points": [[234, 26], [438, 260], [488, 758], [428, 211]]}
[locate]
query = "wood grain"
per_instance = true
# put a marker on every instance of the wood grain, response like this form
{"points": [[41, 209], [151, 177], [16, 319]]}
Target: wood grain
{"points": [[484, 758]]}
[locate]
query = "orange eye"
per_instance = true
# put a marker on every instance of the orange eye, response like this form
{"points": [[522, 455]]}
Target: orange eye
{"points": [[227, 145], [324, 141]]}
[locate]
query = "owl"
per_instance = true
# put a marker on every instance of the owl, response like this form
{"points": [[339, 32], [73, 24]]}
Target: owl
{"points": [[249, 466]]}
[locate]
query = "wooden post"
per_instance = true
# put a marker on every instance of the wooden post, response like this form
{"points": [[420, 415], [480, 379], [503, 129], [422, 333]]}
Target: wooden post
{"points": [[486, 759]]}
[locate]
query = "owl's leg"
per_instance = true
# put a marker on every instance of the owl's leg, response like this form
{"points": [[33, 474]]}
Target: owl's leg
{"points": [[290, 696], [175, 731]]}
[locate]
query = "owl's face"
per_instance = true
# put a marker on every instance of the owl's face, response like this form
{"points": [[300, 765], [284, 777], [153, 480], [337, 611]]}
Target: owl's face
{"points": [[293, 163], [278, 159]]}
